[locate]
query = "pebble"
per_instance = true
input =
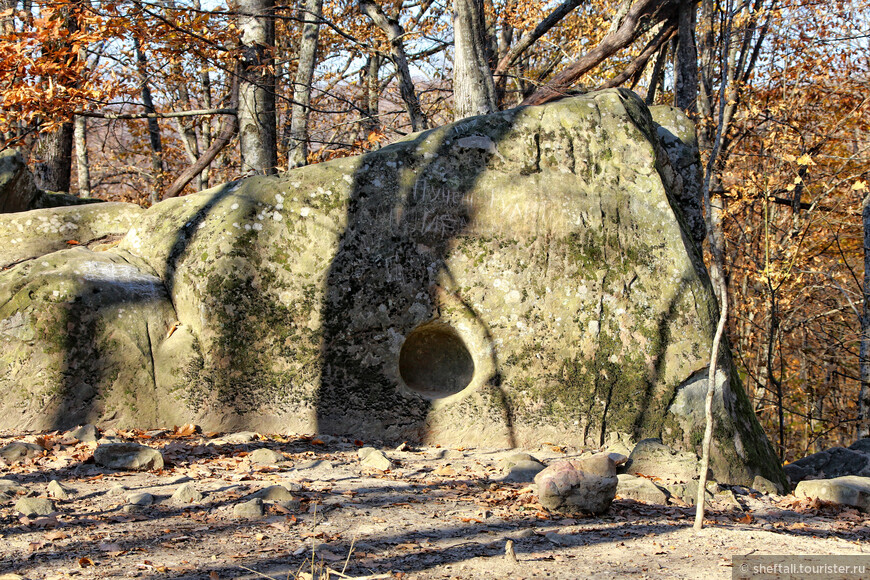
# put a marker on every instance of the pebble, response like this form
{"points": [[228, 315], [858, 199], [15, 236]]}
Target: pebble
{"points": [[377, 460], [140, 499], [128, 457]]}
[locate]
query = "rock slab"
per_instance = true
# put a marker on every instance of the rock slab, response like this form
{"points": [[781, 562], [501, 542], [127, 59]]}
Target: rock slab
{"points": [[849, 490], [584, 486], [128, 457]]}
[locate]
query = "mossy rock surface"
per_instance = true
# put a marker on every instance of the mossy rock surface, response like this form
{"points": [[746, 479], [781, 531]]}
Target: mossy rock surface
{"points": [[505, 280]]}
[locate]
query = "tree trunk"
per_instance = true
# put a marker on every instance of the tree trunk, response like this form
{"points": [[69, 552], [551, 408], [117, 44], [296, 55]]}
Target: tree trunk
{"points": [[395, 34], [83, 169], [54, 150], [686, 62], [258, 134], [473, 86], [297, 152], [371, 96], [864, 348], [153, 126]]}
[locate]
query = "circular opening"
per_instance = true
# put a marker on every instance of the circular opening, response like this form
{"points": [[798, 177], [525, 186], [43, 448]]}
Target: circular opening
{"points": [[434, 361]]}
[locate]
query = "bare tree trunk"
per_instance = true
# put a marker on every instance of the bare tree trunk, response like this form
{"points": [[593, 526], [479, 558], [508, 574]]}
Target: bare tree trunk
{"points": [[395, 33], [371, 96], [83, 169], [54, 149], [473, 86], [258, 135], [864, 348], [686, 65], [153, 126], [297, 152]]}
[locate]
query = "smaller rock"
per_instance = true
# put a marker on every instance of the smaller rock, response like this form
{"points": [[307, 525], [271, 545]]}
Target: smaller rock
{"points": [[766, 486], [586, 485], [185, 494], [688, 492], [11, 576], [59, 491], [728, 501], [128, 457], [240, 437], [364, 452], [862, 445], [250, 509], [618, 458], [9, 488], [18, 451], [265, 456], [640, 489], [140, 499], [829, 464], [116, 490], [84, 434], [523, 471], [653, 458], [849, 490], [377, 460], [278, 494], [34, 506]]}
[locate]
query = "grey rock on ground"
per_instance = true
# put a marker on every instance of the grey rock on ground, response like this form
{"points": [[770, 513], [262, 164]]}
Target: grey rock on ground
{"points": [[240, 437], [829, 464], [186, 494], [278, 494], [9, 488], [19, 450], [640, 489], [249, 509], [128, 457], [727, 500], [265, 456], [849, 490], [652, 458], [764, 485], [140, 499], [377, 460], [60, 491], [84, 433], [520, 468], [687, 491], [586, 486], [34, 506]]}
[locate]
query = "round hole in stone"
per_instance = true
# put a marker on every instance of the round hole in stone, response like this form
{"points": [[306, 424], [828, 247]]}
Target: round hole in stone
{"points": [[435, 362]]}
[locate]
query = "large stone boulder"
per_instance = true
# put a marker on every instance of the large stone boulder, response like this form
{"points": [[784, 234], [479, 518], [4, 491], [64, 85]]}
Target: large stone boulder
{"points": [[503, 280], [18, 191]]}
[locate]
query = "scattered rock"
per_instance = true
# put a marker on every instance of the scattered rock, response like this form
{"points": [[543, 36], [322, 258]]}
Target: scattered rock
{"points": [[377, 460], [364, 452], [688, 492], [85, 434], [34, 506], [278, 494], [829, 464], [764, 485], [250, 509], [847, 490], [60, 491], [728, 501], [314, 464], [185, 494], [240, 437], [265, 456], [581, 486], [618, 458], [653, 458], [18, 451], [520, 467], [128, 457], [640, 489], [11, 577], [9, 488], [116, 490], [140, 499]]}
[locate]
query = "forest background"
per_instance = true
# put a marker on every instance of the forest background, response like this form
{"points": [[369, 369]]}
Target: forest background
{"points": [[134, 100]]}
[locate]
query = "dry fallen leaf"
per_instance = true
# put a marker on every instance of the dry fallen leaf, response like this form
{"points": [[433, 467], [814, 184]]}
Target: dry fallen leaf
{"points": [[84, 562]]}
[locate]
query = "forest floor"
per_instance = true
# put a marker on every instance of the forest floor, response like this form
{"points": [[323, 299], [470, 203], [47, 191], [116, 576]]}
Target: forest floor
{"points": [[438, 513]]}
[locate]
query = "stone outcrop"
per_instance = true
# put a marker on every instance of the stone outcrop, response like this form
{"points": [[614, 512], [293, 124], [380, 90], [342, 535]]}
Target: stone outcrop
{"points": [[18, 191], [525, 276]]}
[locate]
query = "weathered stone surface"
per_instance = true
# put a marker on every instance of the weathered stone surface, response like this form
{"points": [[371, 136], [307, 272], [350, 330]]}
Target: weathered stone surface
{"points": [[85, 433], [140, 499], [265, 456], [34, 506], [186, 494], [640, 489], [252, 509], [862, 445], [523, 471], [848, 490], [9, 489], [764, 485], [504, 280], [19, 450], [377, 460], [18, 191], [829, 464], [585, 486], [688, 492], [651, 457], [128, 457], [60, 491]]}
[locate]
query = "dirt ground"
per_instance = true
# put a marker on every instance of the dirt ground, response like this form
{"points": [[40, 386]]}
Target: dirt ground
{"points": [[437, 513]]}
